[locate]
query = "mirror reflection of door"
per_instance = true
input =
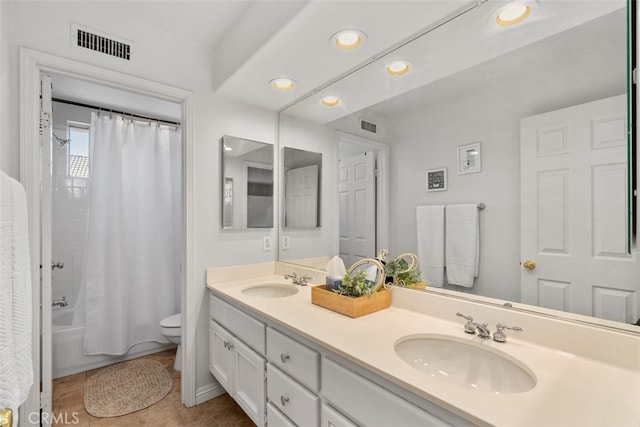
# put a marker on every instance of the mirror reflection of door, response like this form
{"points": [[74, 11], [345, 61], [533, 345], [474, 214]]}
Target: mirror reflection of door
{"points": [[302, 177], [574, 177], [357, 203], [302, 197]]}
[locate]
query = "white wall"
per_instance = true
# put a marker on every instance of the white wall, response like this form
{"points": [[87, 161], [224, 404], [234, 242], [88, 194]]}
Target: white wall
{"points": [[322, 241], [45, 26], [8, 150]]}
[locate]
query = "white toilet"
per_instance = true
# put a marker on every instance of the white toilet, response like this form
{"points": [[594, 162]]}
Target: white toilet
{"points": [[171, 328]]}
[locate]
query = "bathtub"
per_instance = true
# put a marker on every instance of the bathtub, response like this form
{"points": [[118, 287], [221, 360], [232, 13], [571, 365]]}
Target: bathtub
{"points": [[67, 343]]}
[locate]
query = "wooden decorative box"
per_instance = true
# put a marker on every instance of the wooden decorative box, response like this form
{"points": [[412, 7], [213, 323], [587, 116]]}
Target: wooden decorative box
{"points": [[350, 306]]}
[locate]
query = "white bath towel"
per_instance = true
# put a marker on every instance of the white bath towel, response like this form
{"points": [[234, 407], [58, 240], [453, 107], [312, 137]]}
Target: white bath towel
{"points": [[430, 233], [16, 370], [462, 244]]}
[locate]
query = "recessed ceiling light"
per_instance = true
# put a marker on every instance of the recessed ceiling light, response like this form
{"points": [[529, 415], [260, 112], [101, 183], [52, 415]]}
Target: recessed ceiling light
{"points": [[282, 83], [227, 148], [397, 67], [513, 13], [348, 39], [330, 100]]}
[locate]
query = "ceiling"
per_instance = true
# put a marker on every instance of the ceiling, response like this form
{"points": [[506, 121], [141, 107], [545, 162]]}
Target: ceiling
{"points": [[252, 42]]}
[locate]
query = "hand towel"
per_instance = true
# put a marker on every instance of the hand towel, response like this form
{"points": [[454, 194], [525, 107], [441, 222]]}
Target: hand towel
{"points": [[430, 233], [462, 244], [16, 370]]}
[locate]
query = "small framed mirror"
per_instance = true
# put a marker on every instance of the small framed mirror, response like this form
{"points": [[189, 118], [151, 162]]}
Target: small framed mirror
{"points": [[247, 183], [302, 177]]}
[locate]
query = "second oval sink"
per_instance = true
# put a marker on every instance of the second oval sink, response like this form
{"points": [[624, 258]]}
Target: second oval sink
{"points": [[464, 364], [271, 290]]}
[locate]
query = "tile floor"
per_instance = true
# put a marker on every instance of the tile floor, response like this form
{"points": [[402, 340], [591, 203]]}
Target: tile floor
{"points": [[68, 406]]}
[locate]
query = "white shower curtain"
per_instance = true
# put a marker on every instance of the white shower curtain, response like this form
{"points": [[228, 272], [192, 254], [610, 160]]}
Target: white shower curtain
{"points": [[132, 257]]}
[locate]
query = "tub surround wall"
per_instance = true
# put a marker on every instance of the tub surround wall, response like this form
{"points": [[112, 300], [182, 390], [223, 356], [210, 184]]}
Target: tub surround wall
{"points": [[573, 363]]}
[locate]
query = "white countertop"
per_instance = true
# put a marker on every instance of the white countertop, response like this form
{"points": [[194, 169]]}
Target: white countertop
{"points": [[570, 390]]}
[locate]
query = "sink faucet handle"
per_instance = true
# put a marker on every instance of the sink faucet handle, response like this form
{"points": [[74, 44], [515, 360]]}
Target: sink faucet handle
{"points": [[469, 327], [499, 334]]}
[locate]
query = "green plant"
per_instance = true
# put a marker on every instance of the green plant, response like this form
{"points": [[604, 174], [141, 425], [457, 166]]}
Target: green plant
{"points": [[397, 270], [355, 286]]}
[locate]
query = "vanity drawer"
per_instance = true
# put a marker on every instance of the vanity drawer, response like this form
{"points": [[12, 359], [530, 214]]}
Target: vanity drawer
{"points": [[243, 326], [295, 401], [369, 404], [294, 358], [276, 419], [329, 417]]}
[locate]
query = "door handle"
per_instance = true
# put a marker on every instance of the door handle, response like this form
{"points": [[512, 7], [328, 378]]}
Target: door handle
{"points": [[529, 265], [58, 264]]}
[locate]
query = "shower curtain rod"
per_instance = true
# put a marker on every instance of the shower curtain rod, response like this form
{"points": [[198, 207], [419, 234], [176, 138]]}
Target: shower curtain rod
{"points": [[124, 113]]}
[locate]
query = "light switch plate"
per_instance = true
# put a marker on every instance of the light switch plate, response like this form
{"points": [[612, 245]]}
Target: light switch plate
{"points": [[285, 242], [266, 244]]}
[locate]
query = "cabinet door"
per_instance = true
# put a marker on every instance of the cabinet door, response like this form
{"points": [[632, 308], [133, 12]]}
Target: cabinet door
{"points": [[220, 360], [249, 377]]}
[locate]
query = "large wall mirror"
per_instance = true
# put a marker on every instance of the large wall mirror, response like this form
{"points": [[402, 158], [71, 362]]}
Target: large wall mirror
{"points": [[247, 183], [546, 104]]}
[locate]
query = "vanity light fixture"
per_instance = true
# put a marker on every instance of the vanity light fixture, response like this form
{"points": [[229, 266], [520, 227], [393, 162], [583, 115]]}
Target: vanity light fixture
{"points": [[398, 67], [348, 39], [330, 100], [513, 12], [282, 84]]}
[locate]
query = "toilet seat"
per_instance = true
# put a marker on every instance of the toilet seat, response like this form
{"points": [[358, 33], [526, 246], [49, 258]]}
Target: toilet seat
{"points": [[174, 321]]}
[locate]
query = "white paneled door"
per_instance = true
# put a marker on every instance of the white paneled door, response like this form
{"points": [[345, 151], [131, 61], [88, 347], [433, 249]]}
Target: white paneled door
{"points": [[301, 197], [357, 195], [574, 212]]}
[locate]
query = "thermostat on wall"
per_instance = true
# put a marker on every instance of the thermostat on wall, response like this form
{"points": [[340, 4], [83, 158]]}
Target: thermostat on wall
{"points": [[437, 179]]}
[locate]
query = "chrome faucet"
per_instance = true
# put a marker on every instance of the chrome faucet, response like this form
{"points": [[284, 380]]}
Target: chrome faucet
{"points": [[483, 330], [471, 327], [499, 334], [297, 280], [60, 302]]}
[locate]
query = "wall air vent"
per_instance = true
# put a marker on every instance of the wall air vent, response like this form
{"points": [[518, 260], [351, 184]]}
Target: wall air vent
{"points": [[368, 125], [99, 42]]}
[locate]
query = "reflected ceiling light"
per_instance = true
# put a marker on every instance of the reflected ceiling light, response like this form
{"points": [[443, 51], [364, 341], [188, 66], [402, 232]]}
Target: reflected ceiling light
{"points": [[398, 67], [227, 148], [513, 13], [282, 83], [330, 100], [348, 39]]}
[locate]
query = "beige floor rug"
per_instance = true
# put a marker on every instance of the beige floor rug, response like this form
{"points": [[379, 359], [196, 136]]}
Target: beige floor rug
{"points": [[126, 387]]}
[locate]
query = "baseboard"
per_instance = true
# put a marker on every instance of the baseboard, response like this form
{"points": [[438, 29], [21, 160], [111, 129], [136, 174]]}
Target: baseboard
{"points": [[208, 391]]}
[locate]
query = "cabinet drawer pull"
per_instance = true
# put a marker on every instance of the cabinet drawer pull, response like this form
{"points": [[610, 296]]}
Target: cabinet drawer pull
{"points": [[284, 400], [284, 357]]}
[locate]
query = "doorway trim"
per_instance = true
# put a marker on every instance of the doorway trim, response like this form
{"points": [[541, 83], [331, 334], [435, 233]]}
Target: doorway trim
{"points": [[32, 64]]}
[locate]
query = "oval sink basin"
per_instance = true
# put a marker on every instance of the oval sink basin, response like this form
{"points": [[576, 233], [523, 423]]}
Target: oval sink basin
{"points": [[271, 290], [464, 364]]}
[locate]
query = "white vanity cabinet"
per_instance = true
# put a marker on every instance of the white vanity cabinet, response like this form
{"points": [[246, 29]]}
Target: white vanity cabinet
{"points": [[306, 384], [238, 368], [369, 404], [293, 379]]}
